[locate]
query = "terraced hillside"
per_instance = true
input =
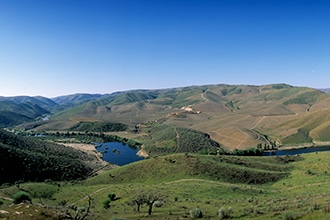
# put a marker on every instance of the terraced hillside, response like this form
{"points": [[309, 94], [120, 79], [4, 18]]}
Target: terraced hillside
{"points": [[235, 116]]}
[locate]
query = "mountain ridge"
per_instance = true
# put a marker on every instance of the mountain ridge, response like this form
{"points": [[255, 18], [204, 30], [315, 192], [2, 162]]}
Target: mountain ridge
{"points": [[236, 116]]}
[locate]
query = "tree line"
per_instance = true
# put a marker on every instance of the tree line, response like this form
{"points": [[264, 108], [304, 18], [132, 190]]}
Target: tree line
{"points": [[25, 158]]}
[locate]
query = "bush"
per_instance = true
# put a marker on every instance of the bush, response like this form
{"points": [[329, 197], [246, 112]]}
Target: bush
{"points": [[21, 197], [62, 203], [112, 196], [223, 213], [196, 213], [158, 204], [106, 204]]}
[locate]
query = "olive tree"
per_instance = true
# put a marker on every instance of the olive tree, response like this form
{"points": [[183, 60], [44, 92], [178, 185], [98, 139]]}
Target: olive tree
{"points": [[149, 198]]}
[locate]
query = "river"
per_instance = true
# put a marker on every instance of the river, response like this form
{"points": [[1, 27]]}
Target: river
{"points": [[118, 153], [297, 151]]}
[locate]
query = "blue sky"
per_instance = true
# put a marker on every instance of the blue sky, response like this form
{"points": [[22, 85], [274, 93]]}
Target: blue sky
{"points": [[58, 47]]}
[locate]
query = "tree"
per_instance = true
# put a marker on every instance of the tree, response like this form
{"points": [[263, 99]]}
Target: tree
{"points": [[77, 213], [111, 197], [139, 200], [151, 198], [148, 198]]}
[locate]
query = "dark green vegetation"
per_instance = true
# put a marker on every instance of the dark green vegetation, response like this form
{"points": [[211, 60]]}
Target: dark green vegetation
{"points": [[20, 109], [30, 159], [167, 139], [21, 196], [99, 127], [12, 113]]}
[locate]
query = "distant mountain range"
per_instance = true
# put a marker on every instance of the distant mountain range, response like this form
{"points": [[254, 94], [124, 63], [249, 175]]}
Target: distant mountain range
{"points": [[236, 116], [326, 90]]}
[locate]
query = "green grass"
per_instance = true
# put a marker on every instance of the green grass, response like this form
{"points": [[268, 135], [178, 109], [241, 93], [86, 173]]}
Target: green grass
{"points": [[309, 97], [302, 136], [174, 167], [302, 193], [99, 127], [166, 139]]}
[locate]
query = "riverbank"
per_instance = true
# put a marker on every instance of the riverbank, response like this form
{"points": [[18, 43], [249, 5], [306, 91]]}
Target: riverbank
{"points": [[142, 153], [89, 149], [305, 145]]}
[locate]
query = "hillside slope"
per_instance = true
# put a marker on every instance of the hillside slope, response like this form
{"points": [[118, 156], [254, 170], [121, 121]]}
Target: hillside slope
{"points": [[236, 116], [12, 113], [43, 102], [28, 159], [247, 170]]}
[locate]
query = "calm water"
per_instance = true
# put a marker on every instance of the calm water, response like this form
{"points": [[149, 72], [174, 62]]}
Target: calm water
{"points": [[118, 153], [297, 151]]}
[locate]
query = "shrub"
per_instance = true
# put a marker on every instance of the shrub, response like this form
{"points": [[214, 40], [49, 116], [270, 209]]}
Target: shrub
{"points": [[158, 204], [21, 197], [289, 216], [62, 203], [196, 213], [223, 213], [106, 204], [112, 196]]}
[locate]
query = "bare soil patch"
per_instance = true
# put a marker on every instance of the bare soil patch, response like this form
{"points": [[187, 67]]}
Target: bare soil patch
{"points": [[142, 153], [89, 149]]}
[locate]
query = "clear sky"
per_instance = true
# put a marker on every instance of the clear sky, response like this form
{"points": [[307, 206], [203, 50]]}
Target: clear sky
{"points": [[59, 47]]}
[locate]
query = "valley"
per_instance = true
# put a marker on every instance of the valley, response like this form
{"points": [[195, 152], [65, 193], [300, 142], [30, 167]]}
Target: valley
{"points": [[193, 139], [235, 116]]}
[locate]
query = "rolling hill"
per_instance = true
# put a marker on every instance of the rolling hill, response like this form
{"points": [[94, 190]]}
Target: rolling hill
{"points": [[43, 102], [13, 113], [29, 159], [288, 187], [176, 124], [235, 116]]}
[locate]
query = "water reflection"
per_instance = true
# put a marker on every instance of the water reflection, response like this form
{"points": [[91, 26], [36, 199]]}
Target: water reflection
{"points": [[118, 153]]}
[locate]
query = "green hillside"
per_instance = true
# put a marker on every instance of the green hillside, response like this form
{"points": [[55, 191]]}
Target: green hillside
{"points": [[251, 187], [160, 139], [98, 127], [315, 126], [43, 102], [12, 113], [234, 116], [75, 99], [185, 131], [29, 159], [247, 170]]}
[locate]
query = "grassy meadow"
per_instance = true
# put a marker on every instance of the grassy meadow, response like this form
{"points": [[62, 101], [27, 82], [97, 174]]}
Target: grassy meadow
{"points": [[183, 183]]}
